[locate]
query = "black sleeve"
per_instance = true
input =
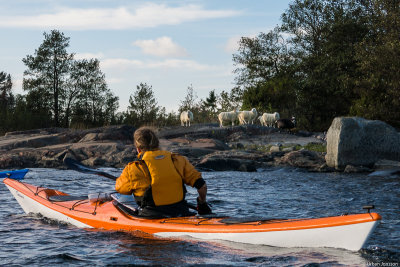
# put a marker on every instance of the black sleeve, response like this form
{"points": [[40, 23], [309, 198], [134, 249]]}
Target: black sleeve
{"points": [[199, 183]]}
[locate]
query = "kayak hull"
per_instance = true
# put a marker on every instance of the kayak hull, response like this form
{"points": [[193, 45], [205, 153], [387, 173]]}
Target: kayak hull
{"points": [[29, 205], [348, 232], [336, 237]]}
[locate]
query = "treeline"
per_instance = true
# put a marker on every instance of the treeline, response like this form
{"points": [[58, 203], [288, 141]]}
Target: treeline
{"points": [[61, 91], [64, 92], [144, 110], [326, 59]]}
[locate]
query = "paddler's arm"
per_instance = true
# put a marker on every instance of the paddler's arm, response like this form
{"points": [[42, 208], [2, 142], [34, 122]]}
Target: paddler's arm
{"points": [[187, 171], [201, 187], [123, 185], [202, 207], [132, 180], [193, 178]]}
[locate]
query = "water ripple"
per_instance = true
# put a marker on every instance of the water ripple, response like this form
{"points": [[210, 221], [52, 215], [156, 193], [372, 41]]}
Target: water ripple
{"points": [[277, 193]]}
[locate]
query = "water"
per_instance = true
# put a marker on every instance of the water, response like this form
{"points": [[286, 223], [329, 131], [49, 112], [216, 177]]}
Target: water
{"points": [[279, 193]]}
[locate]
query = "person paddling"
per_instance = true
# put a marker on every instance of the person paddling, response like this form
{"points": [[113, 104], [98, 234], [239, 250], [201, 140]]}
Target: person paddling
{"points": [[157, 180]]}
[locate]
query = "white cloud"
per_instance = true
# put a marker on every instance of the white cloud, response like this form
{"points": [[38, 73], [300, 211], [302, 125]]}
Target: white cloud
{"points": [[121, 63], [89, 55], [181, 64], [232, 45], [146, 16], [162, 47], [114, 80], [17, 85]]}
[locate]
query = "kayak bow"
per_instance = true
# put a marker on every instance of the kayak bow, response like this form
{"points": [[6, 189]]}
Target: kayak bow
{"points": [[348, 231]]}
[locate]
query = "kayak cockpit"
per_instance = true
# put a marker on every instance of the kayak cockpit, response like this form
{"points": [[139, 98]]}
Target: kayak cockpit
{"points": [[64, 198]]}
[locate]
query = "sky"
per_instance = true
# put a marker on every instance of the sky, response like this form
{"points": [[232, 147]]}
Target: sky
{"points": [[169, 45]]}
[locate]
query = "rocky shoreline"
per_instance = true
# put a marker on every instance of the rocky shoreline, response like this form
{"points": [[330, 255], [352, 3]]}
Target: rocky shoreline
{"points": [[208, 147]]}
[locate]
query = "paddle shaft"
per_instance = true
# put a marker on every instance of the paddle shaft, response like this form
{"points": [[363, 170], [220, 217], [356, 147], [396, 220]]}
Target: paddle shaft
{"points": [[77, 166]]}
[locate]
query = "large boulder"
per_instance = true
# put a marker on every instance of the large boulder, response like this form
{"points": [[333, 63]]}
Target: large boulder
{"points": [[360, 142]]}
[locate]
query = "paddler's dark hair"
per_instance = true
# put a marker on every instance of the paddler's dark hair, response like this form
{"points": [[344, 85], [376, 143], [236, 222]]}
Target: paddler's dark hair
{"points": [[145, 139]]}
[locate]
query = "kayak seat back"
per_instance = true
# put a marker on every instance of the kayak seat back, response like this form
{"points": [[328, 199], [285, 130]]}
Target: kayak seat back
{"points": [[125, 209]]}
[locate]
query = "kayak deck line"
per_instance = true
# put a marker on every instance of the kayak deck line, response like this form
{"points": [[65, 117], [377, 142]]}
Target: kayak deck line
{"points": [[347, 231], [320, 222], [49, 193]]}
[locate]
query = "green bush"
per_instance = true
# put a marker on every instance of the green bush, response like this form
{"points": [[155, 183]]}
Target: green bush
{"points": [[317, 147]]}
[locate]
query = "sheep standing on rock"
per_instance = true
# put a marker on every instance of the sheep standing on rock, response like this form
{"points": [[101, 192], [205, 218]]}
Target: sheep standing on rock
{"points": [[186, 117], [245, 117], [286, 123], [269, 119], [227, 116]]}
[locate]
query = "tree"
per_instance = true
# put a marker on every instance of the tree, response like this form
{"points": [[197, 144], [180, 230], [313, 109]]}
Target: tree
{"points": [[260, 58], [6, 101], [38, 111], [6, 96], [236, 97], [170, 118], [189, 103], [110, 108], [76, 81], [210, 103], [225, 102], [143, 107], [314, 73], [207, 108], [265, 73], [378, 55], [271, 96], [325, 34], [92, 101], [47, 71]]}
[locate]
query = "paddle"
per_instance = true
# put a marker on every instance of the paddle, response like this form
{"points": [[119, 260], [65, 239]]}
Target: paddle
{"points": [[76, 165], [15, 174], [385, 172]]}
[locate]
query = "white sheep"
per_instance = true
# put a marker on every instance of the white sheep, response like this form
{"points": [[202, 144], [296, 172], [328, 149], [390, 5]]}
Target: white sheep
{"points": [[227, 116], [261, 119], [186, 117], [269, 119], [245, 116]]}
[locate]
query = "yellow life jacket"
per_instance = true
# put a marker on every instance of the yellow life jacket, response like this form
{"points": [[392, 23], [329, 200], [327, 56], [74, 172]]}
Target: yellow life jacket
{"points": [[166, 183]]}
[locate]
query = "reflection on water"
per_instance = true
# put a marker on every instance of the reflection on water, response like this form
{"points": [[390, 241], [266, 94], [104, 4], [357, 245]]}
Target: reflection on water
{"points": [[283, 193]]}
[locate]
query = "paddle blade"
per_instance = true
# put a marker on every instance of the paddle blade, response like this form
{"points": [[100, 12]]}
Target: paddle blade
{"points": [[15, 174], [77, 166], [385, 172]]}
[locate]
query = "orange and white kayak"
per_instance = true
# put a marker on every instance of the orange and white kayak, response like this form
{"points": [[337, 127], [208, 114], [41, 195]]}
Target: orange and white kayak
{"points": [[347, 231]]}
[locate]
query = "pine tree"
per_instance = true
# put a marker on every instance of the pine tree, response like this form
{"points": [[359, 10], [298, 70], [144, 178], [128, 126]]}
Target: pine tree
{"points": [[143, 108]]}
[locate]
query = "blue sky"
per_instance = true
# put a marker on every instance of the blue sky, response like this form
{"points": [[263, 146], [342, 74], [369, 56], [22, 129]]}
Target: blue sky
{"points": [[169, 45]]}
